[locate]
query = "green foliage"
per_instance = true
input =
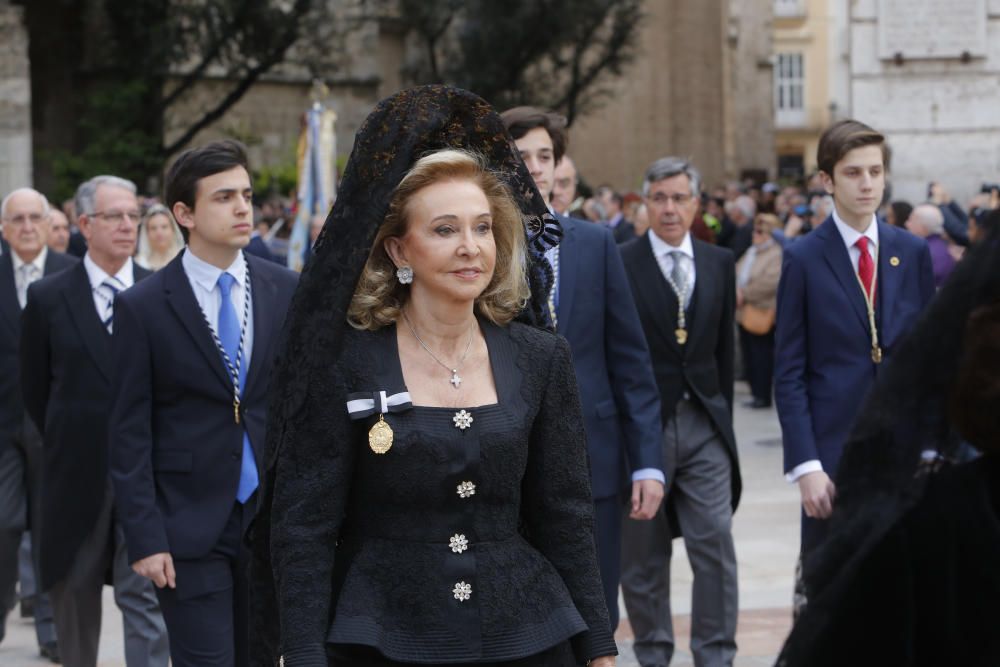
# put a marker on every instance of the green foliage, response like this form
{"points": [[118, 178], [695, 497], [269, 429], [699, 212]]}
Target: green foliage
{"points": [[279, 179], [114, 145], [560, 54]]}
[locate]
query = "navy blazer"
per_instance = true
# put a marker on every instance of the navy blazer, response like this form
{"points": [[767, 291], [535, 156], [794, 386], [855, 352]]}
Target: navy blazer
{"points": [[597, 315], [66, 379], [175, 445], [823, 363], [11, 402]]}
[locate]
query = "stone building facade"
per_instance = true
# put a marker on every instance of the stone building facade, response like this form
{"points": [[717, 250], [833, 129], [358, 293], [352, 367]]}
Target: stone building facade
{"points": [[700, 87], [15, 101], [927, 74]]}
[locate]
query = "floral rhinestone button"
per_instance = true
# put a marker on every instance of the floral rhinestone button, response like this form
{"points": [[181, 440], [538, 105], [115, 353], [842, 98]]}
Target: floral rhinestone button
{"points": [[466, 490], [462, 419], [458, 543], [462, 591]]}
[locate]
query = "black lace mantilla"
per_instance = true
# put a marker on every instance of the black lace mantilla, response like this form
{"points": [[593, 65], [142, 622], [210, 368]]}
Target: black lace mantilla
{"points": [[400, 130]]}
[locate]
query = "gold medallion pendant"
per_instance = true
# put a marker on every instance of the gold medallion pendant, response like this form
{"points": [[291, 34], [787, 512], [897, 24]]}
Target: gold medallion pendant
{"points": [[380, 436], [682, 335], [877, 355]]}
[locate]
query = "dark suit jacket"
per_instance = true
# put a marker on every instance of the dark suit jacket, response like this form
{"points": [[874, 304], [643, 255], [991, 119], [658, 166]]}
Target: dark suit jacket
{"points": [[175, 446], [823, 366], [596, 314], [624, 231], [66, 379], [11, 402], [704, 365]]}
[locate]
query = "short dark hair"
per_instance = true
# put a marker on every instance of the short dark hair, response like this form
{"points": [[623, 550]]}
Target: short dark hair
{"points": [[181, 183], [844, 136], [521, 120], [615, 196]]}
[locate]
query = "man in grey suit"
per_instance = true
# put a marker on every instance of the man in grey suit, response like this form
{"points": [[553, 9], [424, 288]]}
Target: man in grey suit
{"points": [[66, 380], [685, 292], [26, 217]]}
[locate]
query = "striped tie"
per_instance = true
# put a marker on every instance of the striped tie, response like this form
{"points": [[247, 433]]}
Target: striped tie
{"points": [[109, 290]]}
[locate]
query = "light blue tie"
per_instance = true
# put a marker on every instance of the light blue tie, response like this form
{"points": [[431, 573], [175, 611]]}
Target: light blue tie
{"points": [[229, 336]]}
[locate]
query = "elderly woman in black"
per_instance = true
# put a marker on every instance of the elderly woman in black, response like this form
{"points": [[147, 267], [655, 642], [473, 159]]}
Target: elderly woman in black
{"points": [[427, 495]]}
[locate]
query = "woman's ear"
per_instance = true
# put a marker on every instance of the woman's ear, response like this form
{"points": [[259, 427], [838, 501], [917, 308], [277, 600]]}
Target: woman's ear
{"points": [[395, 250]]}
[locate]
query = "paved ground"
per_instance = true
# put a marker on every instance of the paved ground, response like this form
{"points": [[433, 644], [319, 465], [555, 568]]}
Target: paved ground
{"points": [[766, 529]]}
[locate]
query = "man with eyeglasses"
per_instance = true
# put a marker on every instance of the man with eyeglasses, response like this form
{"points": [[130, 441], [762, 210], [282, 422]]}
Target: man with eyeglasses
{"points": [[25, 216], [685, 292], [66, 379]]}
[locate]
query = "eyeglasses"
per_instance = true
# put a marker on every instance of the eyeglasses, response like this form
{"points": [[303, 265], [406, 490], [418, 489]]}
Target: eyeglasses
{"points": [[117, 217], [661, 199], [24, 218]]}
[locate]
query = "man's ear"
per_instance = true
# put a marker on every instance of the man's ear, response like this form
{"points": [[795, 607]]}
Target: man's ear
{"points": [[183, 215], [827, 181]]}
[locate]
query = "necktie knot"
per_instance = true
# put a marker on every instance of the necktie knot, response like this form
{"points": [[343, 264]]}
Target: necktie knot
{"points": [[226, 282], [862, 244]]}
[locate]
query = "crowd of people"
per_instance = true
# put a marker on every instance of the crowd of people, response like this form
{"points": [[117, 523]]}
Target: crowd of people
{"points": [[487, 405]]}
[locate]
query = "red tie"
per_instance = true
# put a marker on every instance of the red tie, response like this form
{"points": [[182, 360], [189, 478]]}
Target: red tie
{"points": [[866, 267]]}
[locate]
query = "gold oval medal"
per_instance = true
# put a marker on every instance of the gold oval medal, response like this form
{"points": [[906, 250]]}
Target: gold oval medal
{"points": [[380, 436], [682, 335]]}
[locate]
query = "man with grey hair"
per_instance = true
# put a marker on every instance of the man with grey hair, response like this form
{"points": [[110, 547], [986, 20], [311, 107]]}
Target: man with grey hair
{"points": [[741, 211], [25, 215], [685, 291], [65, 377], [927, 222]]}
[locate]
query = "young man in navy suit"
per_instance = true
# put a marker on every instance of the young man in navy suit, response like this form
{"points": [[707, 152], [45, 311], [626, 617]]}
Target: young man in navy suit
{"points": [[592, 307], [194, 346], [849, 292]]}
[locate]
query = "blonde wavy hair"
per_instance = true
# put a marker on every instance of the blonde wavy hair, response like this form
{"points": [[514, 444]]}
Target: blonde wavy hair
{"points": [[379, 297]]}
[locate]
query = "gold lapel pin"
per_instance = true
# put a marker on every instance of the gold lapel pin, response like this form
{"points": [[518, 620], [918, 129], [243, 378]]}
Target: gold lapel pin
{"points": [[894, 261]]}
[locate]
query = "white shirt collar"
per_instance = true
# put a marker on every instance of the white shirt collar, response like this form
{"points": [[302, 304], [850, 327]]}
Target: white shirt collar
{"points": [[38, 262], [206, 275], [97, 275], [661, 247], [851, 235]]}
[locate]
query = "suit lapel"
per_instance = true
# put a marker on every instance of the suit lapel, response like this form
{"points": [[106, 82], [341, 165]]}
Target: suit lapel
{"points": [[889, 279], [839, 262], [181, 298], [79, 299], [659, 298], [10, 309], [704, 290], [569, 262], [265, 294]]}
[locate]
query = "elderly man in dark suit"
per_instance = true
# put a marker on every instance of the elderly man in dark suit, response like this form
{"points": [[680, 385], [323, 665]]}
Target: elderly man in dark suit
{"points": [[685, 293], [66, 379], [592, 307], [194, 352], [26, 218]]}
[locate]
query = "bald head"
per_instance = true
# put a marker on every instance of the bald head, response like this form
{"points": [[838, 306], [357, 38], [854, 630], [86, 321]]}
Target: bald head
{"points": [[25, 216], [926, 220]]}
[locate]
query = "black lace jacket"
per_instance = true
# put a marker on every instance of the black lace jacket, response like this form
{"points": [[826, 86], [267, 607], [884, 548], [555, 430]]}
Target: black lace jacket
{"points": [[458, 544]]}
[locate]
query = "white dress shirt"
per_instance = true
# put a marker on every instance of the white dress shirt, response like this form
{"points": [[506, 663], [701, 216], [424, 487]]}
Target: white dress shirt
{"points": [[662, 250], [96, 275], [39, 264], [204, 279], [850, 237]]}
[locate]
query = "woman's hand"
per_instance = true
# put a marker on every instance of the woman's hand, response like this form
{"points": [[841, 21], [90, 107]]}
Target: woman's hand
{"points": [[603, 661]]}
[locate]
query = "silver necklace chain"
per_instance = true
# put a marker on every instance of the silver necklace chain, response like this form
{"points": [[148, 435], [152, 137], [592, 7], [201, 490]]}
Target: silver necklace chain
{"points": [[455, 380]]}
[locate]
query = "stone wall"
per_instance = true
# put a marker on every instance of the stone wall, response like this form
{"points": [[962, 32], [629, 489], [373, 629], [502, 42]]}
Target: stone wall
{"points": [[700, 88], [940, 111], [15, 101]]}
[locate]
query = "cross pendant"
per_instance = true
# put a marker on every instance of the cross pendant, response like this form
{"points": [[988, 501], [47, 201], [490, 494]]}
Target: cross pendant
{"points": [[455, 380]]}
